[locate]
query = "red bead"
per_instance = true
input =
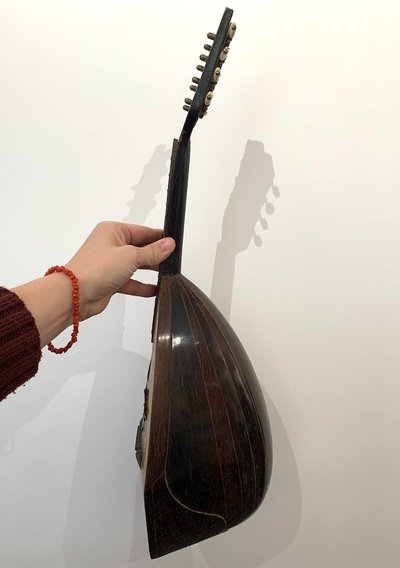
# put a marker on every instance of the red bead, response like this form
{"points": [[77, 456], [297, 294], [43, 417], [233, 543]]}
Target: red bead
{"points": [[75, 308]]}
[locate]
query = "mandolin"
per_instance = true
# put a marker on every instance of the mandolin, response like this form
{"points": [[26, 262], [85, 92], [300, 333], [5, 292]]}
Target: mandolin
{"points": [[204, 442]]}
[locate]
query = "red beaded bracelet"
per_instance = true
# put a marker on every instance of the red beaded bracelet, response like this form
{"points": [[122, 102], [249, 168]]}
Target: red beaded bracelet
{"points": [[75, 308]]}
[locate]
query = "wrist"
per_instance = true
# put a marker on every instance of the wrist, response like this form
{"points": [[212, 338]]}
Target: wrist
{"points": [[49, 299], [93, 298]]}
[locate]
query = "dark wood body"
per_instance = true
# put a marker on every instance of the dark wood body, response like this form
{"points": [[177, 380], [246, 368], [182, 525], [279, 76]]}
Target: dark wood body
{"points": [[206, 443]]}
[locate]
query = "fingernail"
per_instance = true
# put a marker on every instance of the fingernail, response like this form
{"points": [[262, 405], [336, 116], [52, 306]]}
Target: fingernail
{"points": [[167, 244]]}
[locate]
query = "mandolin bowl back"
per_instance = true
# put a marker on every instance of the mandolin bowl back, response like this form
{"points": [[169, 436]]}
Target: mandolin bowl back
{"points": [[206, 441]]}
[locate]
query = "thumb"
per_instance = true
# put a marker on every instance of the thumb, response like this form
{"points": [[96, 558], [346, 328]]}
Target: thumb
{"points": [[154, 253]]}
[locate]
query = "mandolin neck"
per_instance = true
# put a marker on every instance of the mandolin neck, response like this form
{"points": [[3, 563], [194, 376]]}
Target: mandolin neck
{"points": [[176, 204]]}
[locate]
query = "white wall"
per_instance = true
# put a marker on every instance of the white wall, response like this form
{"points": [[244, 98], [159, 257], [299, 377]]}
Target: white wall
{"points": [[303, 139]]}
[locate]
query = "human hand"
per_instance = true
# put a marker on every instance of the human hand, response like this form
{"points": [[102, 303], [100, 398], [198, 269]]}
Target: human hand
{"points": [[109, 257]]}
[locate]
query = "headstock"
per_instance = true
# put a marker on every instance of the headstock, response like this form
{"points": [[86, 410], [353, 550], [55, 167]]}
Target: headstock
{"points": [[203, 87]]}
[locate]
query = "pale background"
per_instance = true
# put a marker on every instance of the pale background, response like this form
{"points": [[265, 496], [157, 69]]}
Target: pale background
{"points": [[295, 172]]}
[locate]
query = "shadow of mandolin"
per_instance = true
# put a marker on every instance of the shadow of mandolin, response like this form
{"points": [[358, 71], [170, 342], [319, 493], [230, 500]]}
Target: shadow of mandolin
{"points": [[204, 442]]}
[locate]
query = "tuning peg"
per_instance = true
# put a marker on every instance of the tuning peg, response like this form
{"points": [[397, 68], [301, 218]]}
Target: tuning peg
{"points": [[188, 101], [200, 68], [224, 54], [275, 190], [196, 80], [217, 74], [257, 239], [232, 30], [186, 107], [269, 208], [207, 100], [207, 47], [203, 57], [212, 36], [193, 88]]}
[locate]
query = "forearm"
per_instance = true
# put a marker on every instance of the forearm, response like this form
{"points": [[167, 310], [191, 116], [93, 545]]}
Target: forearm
{"points": [[19, 343], [33, 314], [49, 299]]}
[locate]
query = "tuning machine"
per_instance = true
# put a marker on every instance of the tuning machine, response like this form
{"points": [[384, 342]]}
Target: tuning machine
{"points": [[208, 47], [208, 99], [224, 54], [187, 104], [232, 30], [216, 76]]}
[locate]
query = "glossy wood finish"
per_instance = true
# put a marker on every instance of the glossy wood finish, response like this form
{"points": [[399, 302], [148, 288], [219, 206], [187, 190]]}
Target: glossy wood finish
{"points": [[206, 442]]}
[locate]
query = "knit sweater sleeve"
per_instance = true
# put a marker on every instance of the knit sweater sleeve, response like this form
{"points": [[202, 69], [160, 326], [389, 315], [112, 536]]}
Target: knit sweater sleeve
{"points": [[19, 343]]}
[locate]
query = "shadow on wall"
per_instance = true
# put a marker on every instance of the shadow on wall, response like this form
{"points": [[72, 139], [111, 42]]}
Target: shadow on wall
{"points": [[143, 202], [105, 524], [15, 417], [243, 218], [274, 526], [31, 402]]}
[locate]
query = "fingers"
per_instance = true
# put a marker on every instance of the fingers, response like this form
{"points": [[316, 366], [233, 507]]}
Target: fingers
{"points": [[114, 232], [152, 254], [139, 235], [136, 288]]}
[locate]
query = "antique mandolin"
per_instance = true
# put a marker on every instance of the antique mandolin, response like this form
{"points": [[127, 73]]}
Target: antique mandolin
{"points": [[204, 442]]}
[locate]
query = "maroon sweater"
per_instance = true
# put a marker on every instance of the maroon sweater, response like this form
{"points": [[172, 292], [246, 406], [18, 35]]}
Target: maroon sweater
{"points": [[19, 343]]}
